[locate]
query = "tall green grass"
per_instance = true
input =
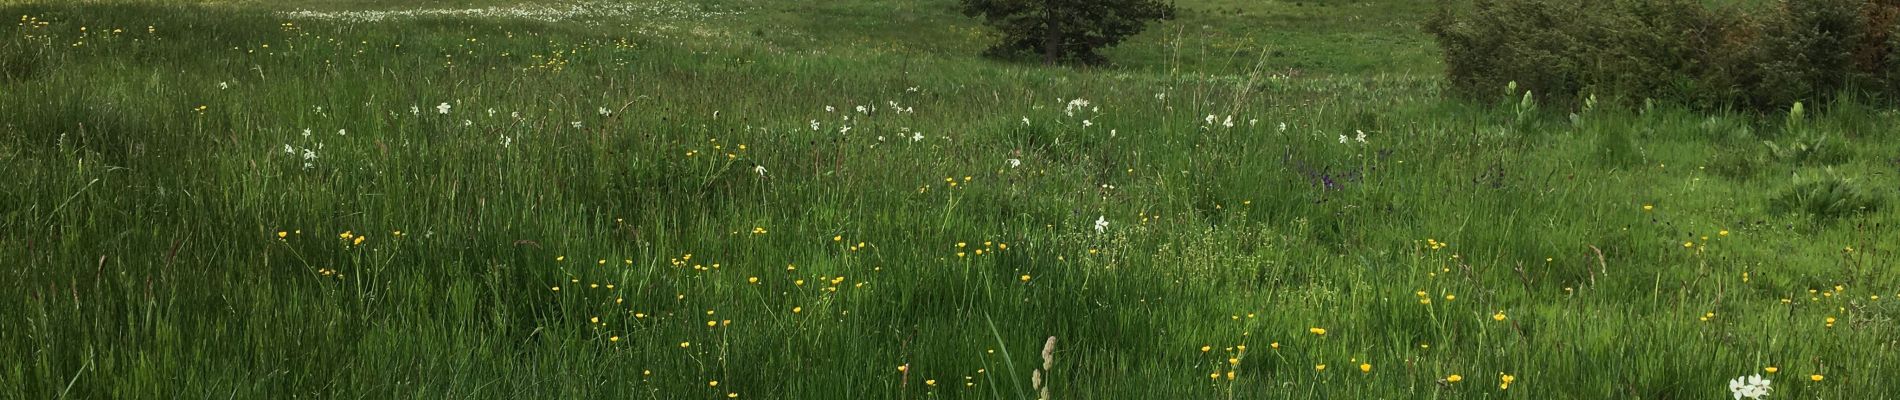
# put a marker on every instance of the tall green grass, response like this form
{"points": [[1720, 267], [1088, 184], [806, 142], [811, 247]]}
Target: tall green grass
{"points": [[161, 250]]}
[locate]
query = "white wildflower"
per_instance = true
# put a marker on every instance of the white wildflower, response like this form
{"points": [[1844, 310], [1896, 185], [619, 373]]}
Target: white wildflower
{"points": [[1751, 387], [342, 132], [1101, 224], [1087, 123], [1362, 136], [306, 132], [1077, 104], [759, 169], [1013, 163], [223, 85], [575, 124], [1229, 123], [413, 110], [604, 112], [442, 108]]}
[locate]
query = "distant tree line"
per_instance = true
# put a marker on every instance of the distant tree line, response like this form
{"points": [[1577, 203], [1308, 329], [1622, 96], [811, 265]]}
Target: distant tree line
{"points": [[1733, 56]]}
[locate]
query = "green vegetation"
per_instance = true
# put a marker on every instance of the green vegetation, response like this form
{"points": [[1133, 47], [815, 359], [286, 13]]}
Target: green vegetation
{"points": [[1725, 54], [1064, 30], [573, 200]]}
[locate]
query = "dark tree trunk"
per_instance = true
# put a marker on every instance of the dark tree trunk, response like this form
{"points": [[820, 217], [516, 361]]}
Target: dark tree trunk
{"points": [[1051, 35]]}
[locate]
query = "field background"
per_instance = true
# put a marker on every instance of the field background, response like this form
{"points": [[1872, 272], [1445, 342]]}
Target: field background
{"points": [[683, 199]]}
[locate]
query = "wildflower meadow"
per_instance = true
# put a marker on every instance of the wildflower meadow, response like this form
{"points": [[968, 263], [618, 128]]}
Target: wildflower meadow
{"points": [[780, 199]]}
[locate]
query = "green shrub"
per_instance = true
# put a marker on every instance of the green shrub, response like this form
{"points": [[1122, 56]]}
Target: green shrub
{"points": [[1064, 30], [1677, 50], [1825, 198]]}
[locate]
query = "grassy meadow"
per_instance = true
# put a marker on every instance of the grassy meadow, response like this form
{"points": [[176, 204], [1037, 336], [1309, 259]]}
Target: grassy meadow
{"points": [[764, 199]]}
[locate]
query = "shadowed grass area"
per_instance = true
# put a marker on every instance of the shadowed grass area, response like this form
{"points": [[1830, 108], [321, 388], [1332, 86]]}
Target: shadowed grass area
{"points": [[838, 200]]}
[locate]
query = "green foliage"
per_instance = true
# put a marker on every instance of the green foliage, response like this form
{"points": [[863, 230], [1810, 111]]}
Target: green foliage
{"points": [[1678, 50], [1064, 30], [1826, 197]]}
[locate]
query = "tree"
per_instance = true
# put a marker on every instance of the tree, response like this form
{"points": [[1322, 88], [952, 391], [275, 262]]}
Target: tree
{"points": [[1064, 30]]}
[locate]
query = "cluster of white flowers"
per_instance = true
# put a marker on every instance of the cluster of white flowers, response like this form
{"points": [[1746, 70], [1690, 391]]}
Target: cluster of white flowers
{"points": [[309, 154], [1361, 137], [1212, 119], [1078, 104], [1752, 387]]}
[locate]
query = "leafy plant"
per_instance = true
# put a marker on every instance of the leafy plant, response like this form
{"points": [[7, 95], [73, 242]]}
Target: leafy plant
{"points": [[1826, 197]]}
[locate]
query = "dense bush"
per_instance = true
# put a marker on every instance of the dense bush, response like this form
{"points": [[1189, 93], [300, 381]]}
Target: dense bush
{"points": [[1064, 30], [1679, 50]]}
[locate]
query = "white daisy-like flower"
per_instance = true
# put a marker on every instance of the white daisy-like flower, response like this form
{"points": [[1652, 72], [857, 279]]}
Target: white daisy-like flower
{"points": [[442, 108], [1013, 163], [1362, 136], [1101, 224]]}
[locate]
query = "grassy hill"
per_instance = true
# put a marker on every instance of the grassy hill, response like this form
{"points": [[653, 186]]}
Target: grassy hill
{"points": [[787, 199]]}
